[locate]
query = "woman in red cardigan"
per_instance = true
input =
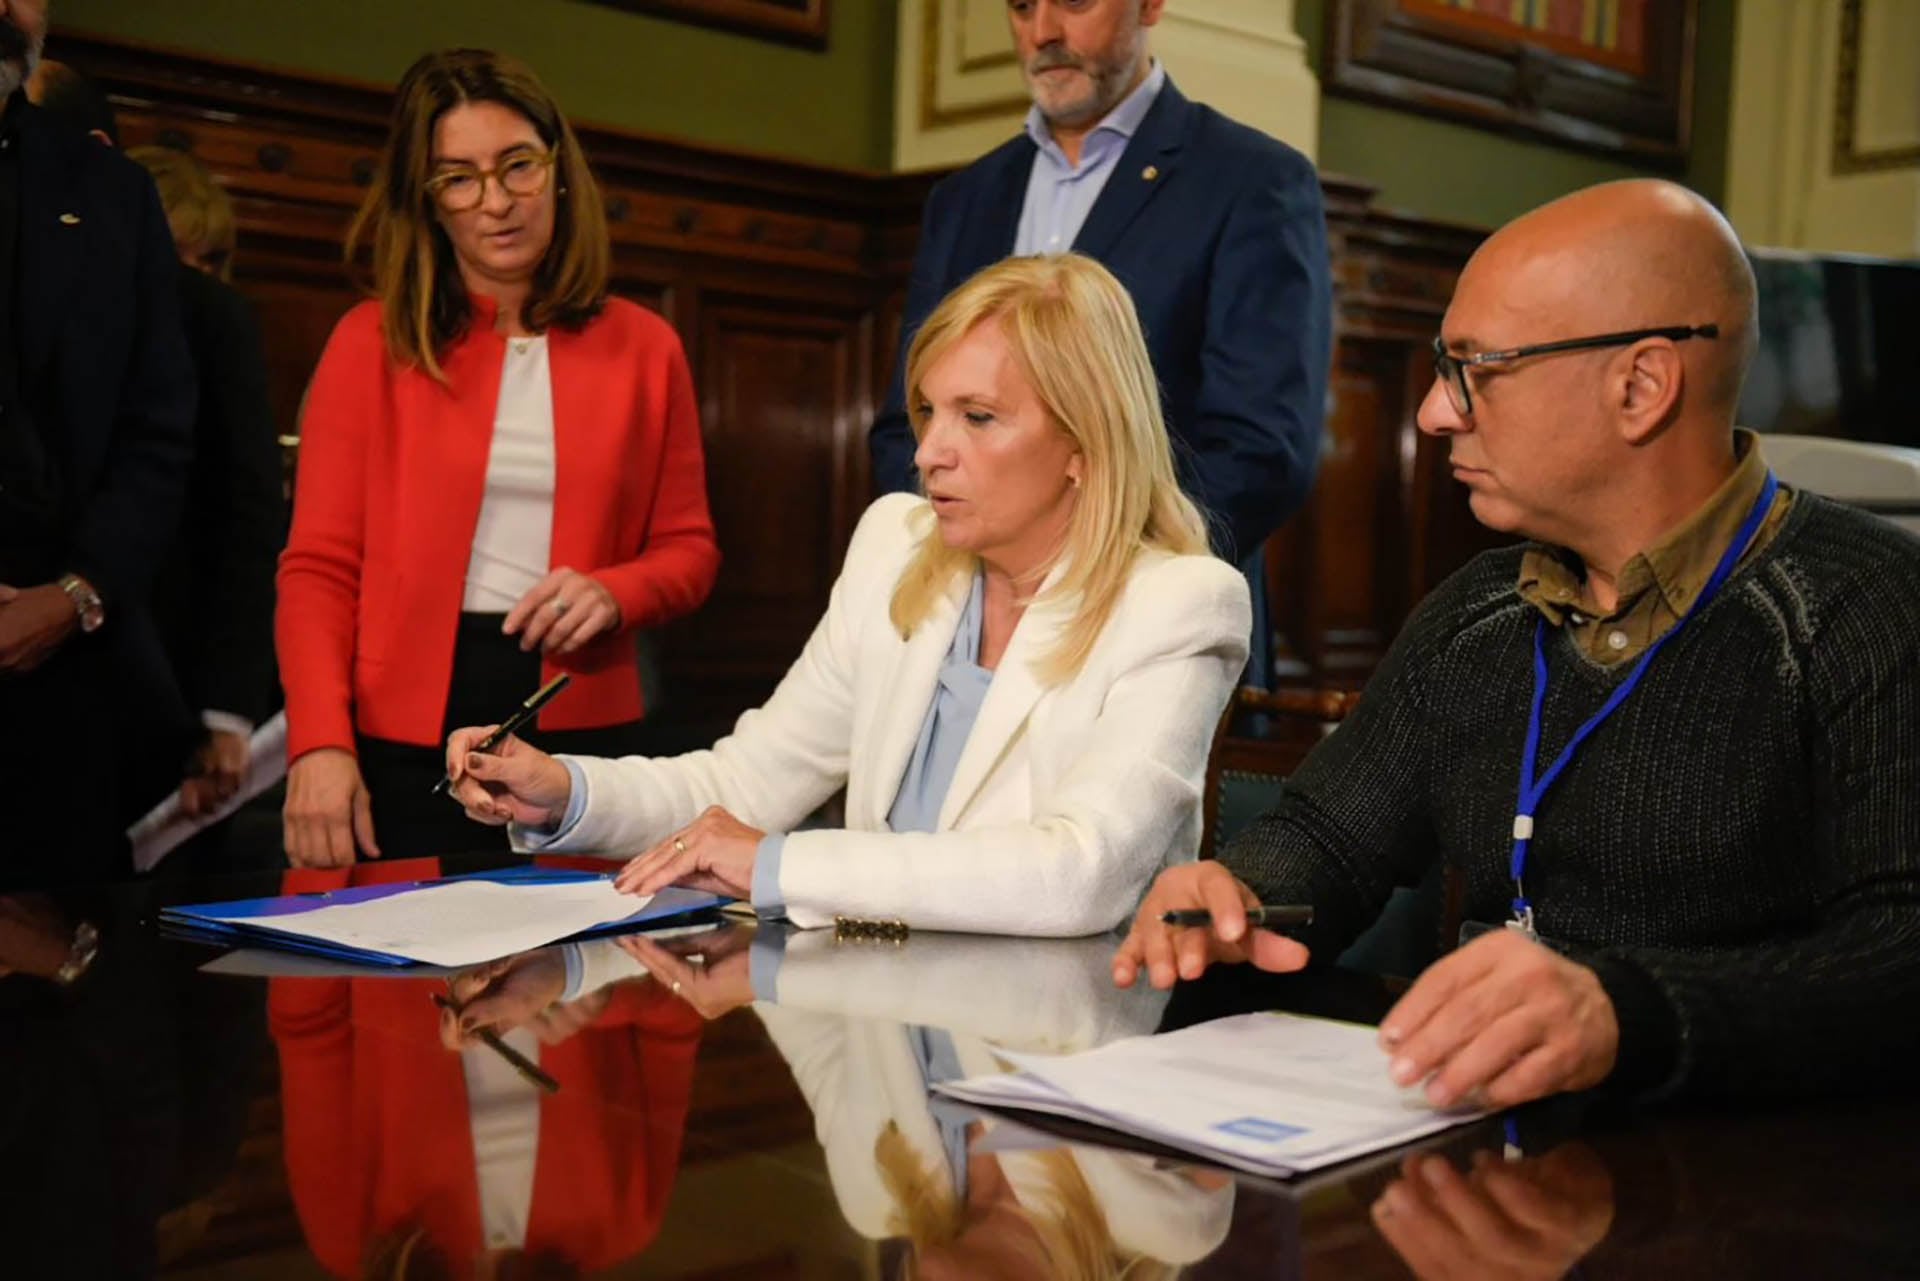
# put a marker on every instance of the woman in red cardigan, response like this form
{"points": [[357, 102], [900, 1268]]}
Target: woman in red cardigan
{"points": [[501, 474]]}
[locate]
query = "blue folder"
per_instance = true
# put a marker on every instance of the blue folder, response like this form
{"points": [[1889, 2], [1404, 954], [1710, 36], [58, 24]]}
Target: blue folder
{"points": [[248, 922]]}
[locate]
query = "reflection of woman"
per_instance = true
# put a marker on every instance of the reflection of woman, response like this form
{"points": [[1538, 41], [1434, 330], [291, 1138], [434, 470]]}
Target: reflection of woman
{"points": [[1016, 680], [501, 473], [406, 1160], [903, 1167]]}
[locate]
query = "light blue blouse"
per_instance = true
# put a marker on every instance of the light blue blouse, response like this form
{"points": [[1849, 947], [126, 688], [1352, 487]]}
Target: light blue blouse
{"points": [[936, 755]]}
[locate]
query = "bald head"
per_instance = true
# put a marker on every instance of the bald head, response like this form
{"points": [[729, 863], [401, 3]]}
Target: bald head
{"points": [[1631, 255]]}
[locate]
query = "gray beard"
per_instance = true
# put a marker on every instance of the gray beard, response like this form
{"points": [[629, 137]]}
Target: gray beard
{"points": [[1110, 90]]}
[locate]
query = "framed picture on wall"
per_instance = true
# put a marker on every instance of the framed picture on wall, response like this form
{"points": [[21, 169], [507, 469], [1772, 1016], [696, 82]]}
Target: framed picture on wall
{"points": [[801, 22], [1612, 76]]}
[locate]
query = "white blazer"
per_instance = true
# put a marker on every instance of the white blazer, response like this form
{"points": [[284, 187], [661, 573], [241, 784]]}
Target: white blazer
{"points": [[841, 1023], [1067, 800]]}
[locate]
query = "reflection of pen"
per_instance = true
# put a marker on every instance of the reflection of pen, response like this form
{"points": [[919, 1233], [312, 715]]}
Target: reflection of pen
{"points": [[518, 1061], [521, 715], [1270, 915]]}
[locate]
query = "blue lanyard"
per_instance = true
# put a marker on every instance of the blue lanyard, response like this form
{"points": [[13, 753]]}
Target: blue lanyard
{"points": [[1534, 786]]}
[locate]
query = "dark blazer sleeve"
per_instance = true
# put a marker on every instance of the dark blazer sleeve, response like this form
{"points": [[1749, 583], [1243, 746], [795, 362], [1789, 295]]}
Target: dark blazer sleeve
{"points": [[233, 527], [1256, 428], [891, 443], [129, 520]]}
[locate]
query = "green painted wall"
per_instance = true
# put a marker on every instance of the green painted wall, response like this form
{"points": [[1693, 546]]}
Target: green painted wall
{"points": [[607, 66], [1463, 174]]}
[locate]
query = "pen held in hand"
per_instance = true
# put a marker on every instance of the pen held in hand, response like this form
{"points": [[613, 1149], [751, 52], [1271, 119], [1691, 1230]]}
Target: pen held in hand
{"points": [[516, 1060], [1272, 916], [514, 723]]}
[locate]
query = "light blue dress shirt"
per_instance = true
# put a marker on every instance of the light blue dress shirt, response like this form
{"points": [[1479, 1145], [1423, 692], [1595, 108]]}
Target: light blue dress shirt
{"points": [[1060, 194]]}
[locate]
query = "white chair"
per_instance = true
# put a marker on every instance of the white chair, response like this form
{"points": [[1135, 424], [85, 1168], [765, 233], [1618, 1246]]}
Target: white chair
{"points": [[1883, 479]]}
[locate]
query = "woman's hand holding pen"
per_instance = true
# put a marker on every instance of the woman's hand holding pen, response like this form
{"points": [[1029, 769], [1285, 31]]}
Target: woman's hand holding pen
{"points": [[1167, 952], [562, 612], [520, 991], [514, 783], [328, 812]]}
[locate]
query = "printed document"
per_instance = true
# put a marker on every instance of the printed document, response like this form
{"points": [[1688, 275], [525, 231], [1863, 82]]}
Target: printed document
{"points": [[166, 825], [463, 922], [1272, 1094]]}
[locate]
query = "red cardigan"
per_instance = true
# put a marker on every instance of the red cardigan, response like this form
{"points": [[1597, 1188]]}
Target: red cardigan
{"points": [[392, 470]]}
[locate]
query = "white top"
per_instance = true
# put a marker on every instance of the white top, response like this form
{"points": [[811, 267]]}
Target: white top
{"points": [[513, 541], [503, 1110]]}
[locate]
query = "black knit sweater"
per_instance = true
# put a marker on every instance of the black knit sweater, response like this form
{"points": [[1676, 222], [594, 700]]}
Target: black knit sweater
{"points": [[1736, 851]]}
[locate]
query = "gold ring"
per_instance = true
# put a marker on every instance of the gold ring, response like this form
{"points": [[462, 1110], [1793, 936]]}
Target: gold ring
{"points": [[560, 606], [679, 846]]}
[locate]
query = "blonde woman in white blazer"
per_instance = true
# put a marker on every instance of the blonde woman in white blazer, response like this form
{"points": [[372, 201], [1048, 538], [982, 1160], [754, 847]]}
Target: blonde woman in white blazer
{"points": [[1016, 679]]}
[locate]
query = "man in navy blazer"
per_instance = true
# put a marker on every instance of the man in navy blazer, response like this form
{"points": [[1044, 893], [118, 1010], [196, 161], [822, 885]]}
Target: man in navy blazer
{"points": [[1216, 230], [96, 413]]}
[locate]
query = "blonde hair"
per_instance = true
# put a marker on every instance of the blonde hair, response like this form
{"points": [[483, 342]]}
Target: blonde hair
{"points": [[1072, 1239], [424, 303], [1076, 338], [199, 211]]}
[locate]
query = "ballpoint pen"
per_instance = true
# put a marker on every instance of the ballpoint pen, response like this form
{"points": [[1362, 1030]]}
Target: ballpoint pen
{"points": [[1269, 915], [521, 715], [516, 1060]]}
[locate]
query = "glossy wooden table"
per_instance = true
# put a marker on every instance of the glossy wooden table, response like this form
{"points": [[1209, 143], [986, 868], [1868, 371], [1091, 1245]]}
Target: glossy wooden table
{"points": [[157, 1120]]}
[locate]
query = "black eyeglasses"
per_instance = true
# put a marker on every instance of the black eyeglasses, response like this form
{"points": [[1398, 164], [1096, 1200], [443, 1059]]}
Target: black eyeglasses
{"points": [[1452, 369]]}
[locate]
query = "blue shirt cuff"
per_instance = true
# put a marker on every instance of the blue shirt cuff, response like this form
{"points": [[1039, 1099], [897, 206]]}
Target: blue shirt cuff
{"points": [[576, 802], [765, 890], [764, 955]]}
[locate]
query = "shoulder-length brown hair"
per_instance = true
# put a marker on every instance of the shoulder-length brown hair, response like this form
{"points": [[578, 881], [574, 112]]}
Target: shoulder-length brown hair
{"points": [[415, 276]]}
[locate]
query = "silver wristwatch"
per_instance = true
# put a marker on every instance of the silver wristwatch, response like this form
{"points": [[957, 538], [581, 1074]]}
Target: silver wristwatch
{"points": [[86, 946], [86, 601]]}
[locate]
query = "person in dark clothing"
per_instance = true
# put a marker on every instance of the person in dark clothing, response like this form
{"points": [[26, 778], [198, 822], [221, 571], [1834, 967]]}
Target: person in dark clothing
{"points": [[214, 596], [56, 88], [96, 407], [1707, 685]]}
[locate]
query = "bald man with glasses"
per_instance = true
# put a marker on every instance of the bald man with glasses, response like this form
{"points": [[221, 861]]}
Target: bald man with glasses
{"points": [[1669, 747]]}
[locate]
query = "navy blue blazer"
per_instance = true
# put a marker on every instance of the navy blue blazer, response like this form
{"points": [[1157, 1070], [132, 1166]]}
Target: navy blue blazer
{"points": [[105, 372], [1224, 249]]}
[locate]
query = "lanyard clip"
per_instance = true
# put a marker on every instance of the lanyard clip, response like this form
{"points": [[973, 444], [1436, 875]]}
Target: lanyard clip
{"points": [[1522, 921]]}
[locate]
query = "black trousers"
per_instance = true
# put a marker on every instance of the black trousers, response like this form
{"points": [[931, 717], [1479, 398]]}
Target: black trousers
{"points": [[491, 677]]}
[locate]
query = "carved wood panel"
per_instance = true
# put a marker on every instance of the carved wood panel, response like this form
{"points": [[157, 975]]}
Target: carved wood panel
{"points": [[786, 396]]}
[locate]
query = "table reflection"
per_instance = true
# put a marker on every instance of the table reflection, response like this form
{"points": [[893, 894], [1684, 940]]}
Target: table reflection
{"points": [[413, 1150], [869, 1029], [744, 1103]]}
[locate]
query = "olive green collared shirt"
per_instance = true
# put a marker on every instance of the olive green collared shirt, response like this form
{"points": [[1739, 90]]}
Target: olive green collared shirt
{"points": [[1658, 586]]}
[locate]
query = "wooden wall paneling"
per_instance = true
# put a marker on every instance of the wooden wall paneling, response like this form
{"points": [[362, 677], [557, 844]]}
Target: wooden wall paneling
{"points": [[786, 394], [1341, 571]]}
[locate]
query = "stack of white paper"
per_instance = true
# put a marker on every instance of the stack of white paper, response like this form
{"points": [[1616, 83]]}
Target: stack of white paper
{"points": [[462, 922], [166, 825], [1273, 1094]]}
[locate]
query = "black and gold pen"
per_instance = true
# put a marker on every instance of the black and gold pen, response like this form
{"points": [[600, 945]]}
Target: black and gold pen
{"points": [[517, 1061], [514, 723], [1273, 916]]}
